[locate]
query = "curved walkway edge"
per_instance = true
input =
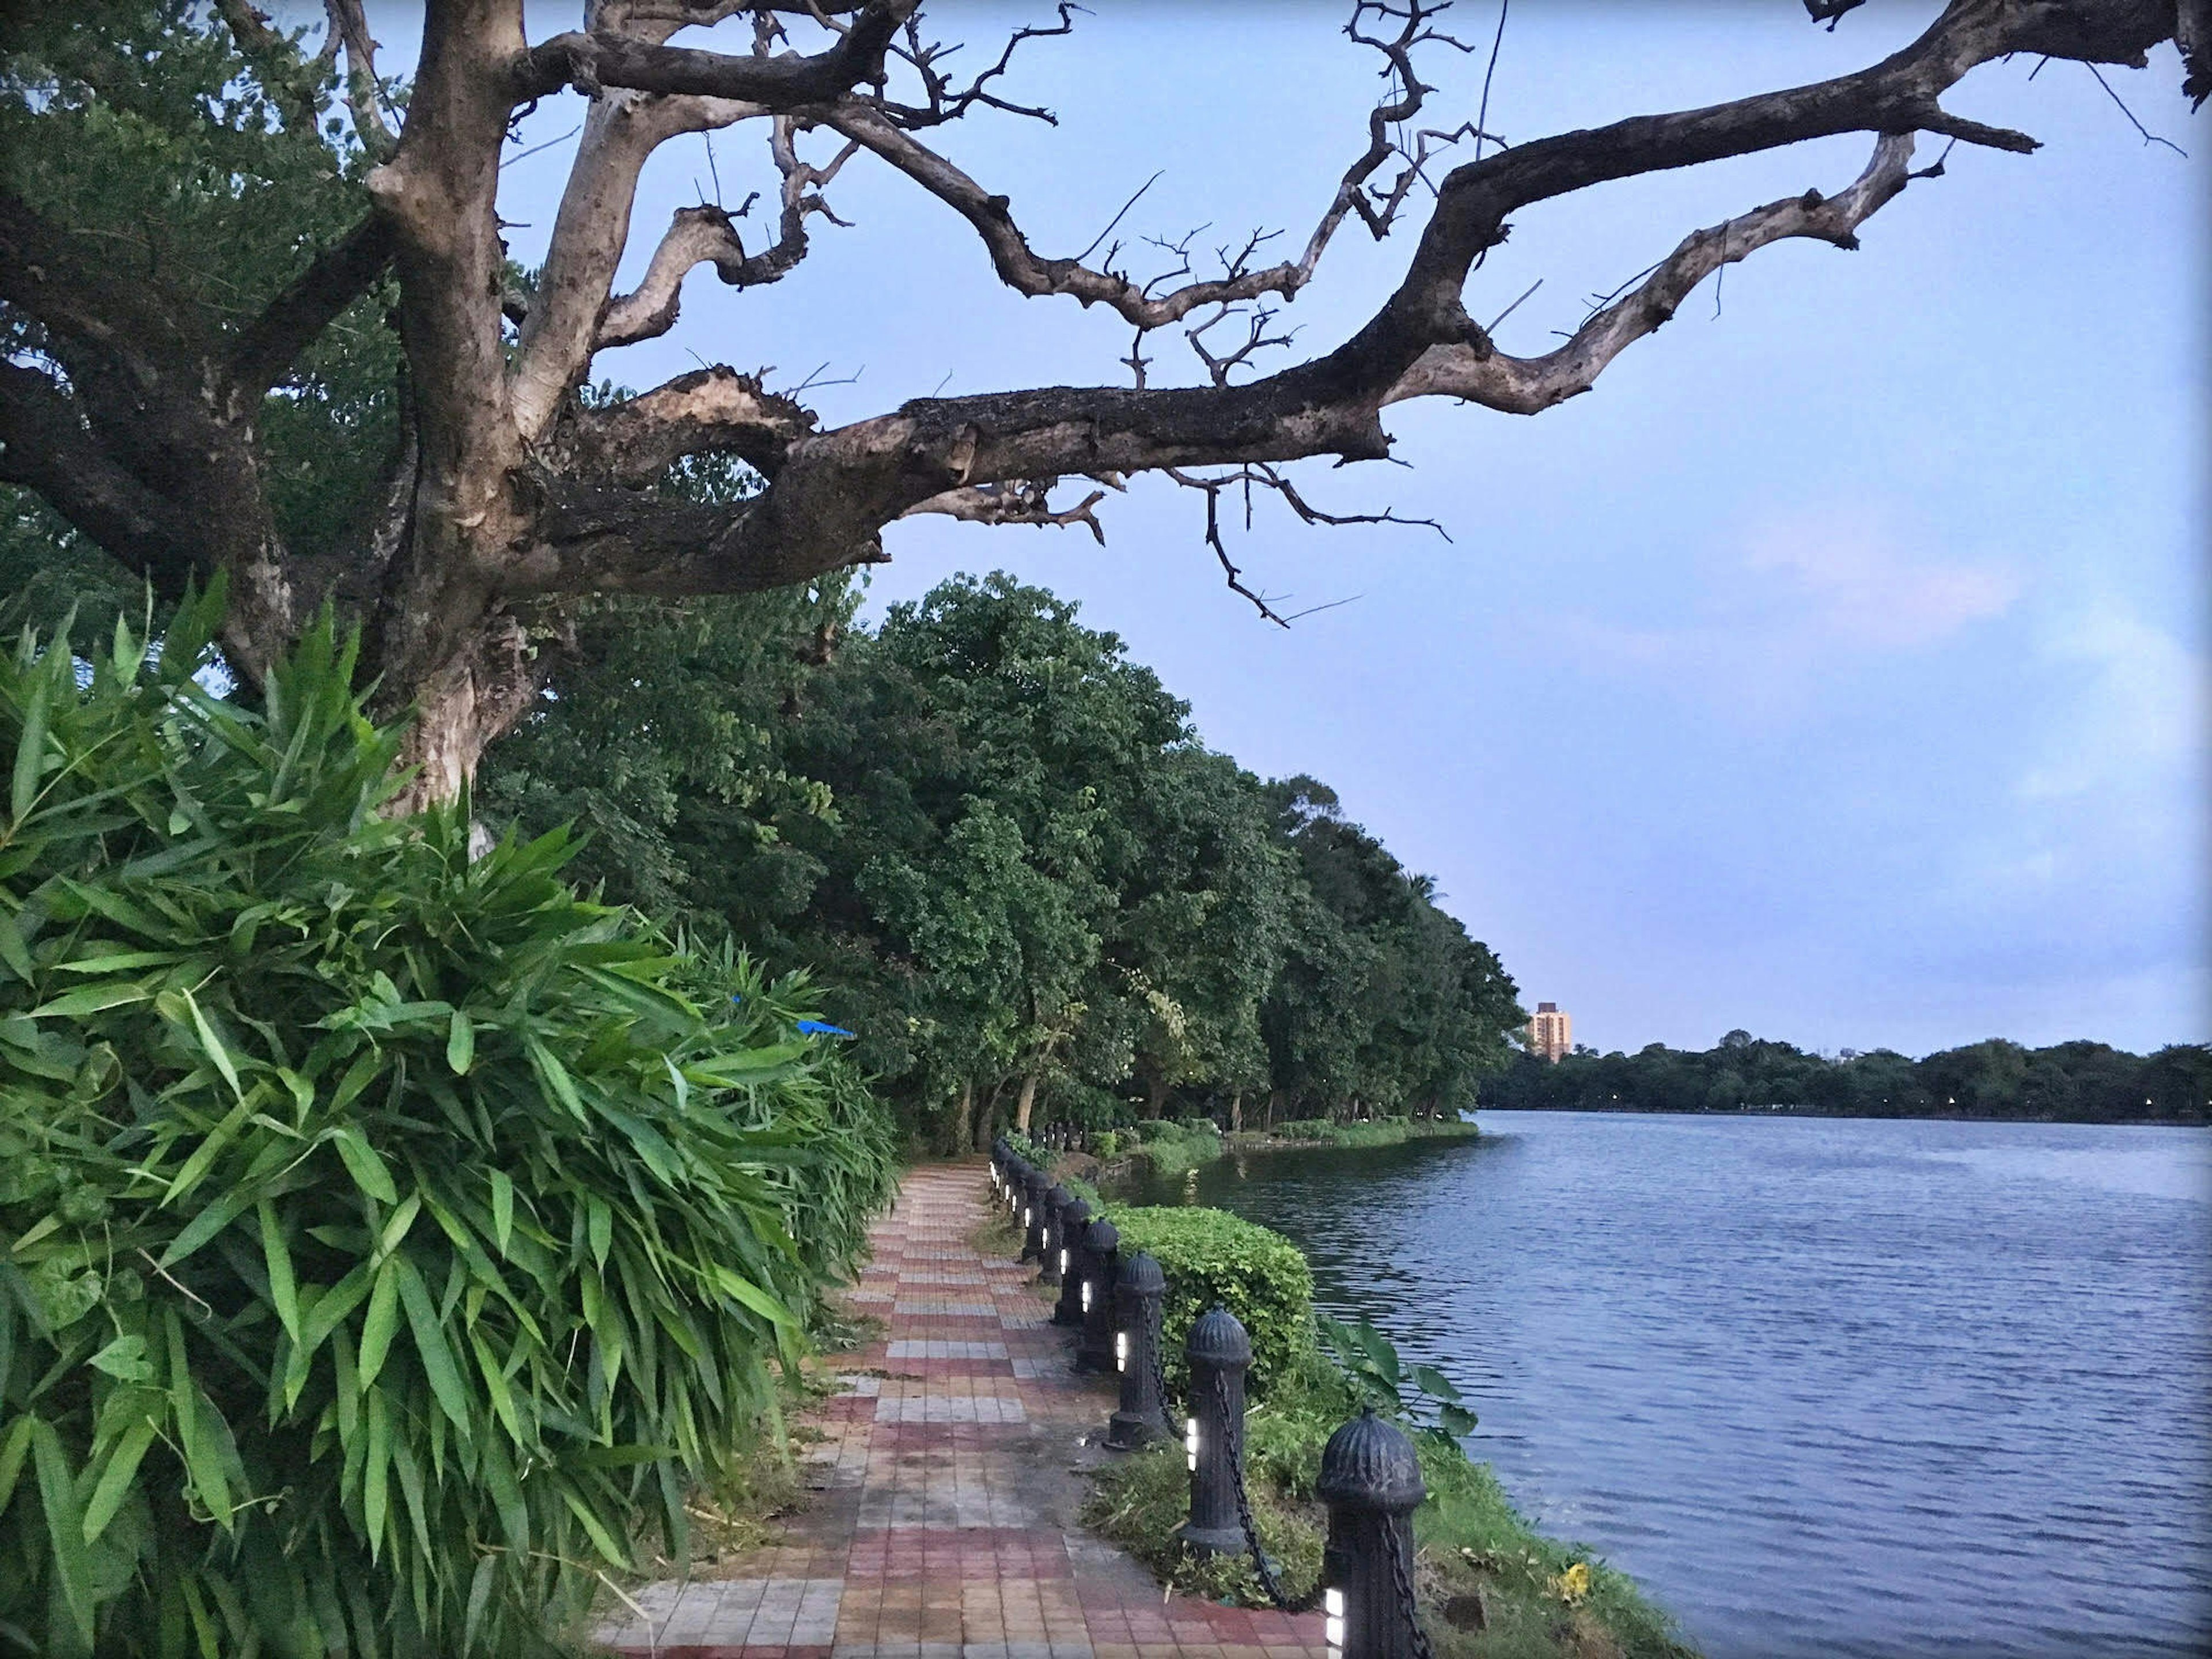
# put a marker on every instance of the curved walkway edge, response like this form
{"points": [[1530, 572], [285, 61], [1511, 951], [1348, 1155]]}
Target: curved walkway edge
{"points": [[947, 1486]]}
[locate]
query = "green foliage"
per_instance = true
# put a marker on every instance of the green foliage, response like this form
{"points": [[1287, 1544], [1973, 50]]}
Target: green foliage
{"points": [[142, 129], [1105, 1145], [2067, 1082], [1370, 1362], [999, 840], [1172, 1146], [391, 1232], [1212, 1259]]}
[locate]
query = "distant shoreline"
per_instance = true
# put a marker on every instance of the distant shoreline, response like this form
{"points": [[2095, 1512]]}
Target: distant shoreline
{"points": [[1624, 1109]]}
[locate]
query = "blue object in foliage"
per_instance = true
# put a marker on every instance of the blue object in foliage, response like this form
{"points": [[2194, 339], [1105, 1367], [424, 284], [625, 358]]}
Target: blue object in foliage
{"points": [[817, 1028]]}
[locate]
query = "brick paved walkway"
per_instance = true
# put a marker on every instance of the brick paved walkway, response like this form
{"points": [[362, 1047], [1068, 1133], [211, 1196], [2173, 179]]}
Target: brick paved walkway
{"points": [[945, 1523]]}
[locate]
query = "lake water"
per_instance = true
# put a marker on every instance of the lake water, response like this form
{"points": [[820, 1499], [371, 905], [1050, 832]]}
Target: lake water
{"points": [[1825, 1386]]}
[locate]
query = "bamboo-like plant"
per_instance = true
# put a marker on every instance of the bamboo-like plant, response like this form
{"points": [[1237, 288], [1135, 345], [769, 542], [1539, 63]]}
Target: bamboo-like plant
{"points": [[385, 1235]]}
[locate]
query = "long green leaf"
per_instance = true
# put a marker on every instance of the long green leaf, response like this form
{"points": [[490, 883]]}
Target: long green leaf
{"points": [[460, 1043], [15, 1446], [362, 1162], [31, 747], [65, 1522], [381, 1321], [114, 1485], [283, 1290], [212, 1044], [431, 1348], [503, 1207]]}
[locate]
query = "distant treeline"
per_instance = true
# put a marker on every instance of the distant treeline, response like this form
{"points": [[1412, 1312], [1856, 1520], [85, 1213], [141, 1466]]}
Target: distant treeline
{"points": [[2068, 1082]]}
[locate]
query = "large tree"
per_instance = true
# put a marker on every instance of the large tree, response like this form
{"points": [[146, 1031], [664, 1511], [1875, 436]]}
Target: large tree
{"points": [[201, 265]]}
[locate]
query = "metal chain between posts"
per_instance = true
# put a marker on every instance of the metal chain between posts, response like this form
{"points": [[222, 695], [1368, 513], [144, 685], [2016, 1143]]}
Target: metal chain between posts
{"points": [[1402, 1580], [1269, 1582], [1157, 1346]]}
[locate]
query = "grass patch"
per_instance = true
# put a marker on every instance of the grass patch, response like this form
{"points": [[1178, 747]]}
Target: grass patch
{"points": [[1372, 1132], [1537, 1598]]}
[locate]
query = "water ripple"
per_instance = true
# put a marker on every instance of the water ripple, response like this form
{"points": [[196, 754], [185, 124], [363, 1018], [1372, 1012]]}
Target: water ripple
{"points": [[1878, 1391]]}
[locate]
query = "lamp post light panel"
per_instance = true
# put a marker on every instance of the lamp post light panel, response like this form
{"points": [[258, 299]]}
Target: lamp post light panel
{"points": [[1086, 1296], [1120, 1350], [1190, 1443], [1332, 1606], [1063, 1258]]}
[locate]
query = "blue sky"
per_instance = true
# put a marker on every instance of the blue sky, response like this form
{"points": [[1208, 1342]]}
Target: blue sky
{"points": [[1837, 669]]}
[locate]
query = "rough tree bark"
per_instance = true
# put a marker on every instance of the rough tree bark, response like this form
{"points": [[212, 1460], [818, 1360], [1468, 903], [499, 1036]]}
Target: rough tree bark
{"points": [[511, 494], [1027, 1098]]}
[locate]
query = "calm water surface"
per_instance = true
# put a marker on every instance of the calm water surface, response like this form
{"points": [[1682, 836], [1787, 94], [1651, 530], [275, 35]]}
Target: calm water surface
{"points": [[1825, 1386]]}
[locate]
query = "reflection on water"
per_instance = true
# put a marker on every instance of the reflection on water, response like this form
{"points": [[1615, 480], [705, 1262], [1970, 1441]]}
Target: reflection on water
{"points": [[1824, 1386]]}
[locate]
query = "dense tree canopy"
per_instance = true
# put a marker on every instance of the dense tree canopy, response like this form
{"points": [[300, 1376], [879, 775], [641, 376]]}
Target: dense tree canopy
{"points": [[2070, 1082], [1032, 887]]}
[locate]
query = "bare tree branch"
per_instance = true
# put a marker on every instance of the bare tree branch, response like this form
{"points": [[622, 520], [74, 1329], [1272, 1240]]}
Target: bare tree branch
{"points": [[1526, 386], [883, 131], [710, 409], [708, 235], [564, 326], [945, 104], [593, 63], [364, 96], [1020, 501]]}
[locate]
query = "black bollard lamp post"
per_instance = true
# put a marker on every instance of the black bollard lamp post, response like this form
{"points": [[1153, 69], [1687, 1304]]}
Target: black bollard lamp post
{"points": [[1219, 1353], [1101, 1260], [1371, 1482], [1138, 1290], [1034, 1186], [1054, 1256], [1074, 1222]]}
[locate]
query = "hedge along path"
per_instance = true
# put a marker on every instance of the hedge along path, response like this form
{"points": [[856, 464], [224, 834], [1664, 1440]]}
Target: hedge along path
{"points": [[947, 1489]]}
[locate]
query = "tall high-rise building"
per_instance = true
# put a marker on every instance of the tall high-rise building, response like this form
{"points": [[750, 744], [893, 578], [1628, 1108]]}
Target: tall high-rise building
{"points": [[1551, 1033]]}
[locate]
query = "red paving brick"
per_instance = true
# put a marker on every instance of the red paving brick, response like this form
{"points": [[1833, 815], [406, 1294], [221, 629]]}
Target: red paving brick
{"points": [[944, 1525]]}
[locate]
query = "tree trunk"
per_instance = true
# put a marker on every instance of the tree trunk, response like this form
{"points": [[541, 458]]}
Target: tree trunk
{"points": [[963, 1134], [986, 1112], [1236, 1112], [1156, 1096], [1274, 1105], [1027, 1099]]}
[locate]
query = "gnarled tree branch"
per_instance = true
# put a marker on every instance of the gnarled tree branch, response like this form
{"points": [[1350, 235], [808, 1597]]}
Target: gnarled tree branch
{"points": [[1528, 385], [45, 445], [593, 63], [291, 322], [707, 234]]}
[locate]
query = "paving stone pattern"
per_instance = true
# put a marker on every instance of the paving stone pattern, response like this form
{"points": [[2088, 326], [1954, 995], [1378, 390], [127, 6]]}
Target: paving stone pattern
{"points": [[943, 1524]]}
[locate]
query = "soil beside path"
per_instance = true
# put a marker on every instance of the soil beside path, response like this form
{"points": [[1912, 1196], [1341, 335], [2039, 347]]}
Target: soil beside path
{"points": [[944, 1524]]}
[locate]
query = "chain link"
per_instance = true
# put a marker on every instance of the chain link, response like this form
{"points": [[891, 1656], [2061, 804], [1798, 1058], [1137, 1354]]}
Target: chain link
{"points": [[1269, 1582], [1155, 1318], [1401, 1581]]}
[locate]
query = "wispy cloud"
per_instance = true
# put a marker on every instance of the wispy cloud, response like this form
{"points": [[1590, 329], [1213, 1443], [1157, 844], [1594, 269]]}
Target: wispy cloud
{"points": [[2142, 713], [1791, 598], [1847, 577]]}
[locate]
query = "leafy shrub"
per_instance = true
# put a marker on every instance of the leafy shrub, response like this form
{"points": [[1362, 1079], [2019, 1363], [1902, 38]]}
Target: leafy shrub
{"points": [[390, 1230], [1212, 1258], [1369, 1362], [1105, 1143], [1171, 1146]]}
